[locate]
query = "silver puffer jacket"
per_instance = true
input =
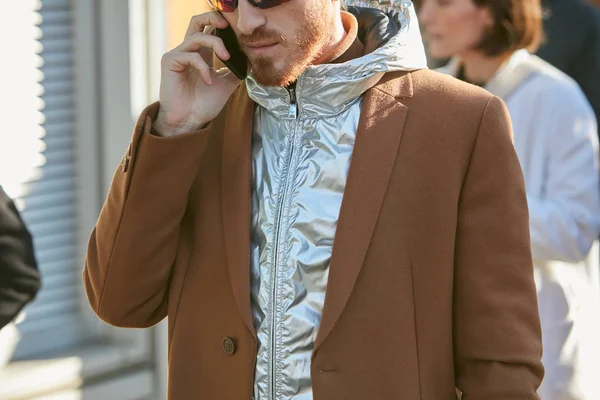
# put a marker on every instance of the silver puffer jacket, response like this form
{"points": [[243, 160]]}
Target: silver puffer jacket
{"points": [[302, 145]]}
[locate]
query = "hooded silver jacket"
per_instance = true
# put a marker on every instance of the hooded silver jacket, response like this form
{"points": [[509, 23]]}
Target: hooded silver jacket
{"points": [[302, 145]]}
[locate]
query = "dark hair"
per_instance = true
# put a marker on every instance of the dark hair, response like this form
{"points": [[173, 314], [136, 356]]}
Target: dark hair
{"points": [[517, 25]]}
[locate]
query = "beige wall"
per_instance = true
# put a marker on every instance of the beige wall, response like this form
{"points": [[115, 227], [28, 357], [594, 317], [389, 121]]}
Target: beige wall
{"points": [[179, 13]]}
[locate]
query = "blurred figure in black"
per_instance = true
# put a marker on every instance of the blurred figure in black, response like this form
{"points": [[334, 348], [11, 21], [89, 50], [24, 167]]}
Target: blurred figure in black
{"points": [[572, 44], [19, 275]]}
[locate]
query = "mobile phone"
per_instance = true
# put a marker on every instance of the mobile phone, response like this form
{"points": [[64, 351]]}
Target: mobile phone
{"points": [[238, 62]]}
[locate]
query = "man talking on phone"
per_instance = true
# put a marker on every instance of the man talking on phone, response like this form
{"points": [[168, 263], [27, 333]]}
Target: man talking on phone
{"points": [[344, 224]]}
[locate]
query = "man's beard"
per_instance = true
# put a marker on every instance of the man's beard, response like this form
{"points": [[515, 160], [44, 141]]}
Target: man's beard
{"points": [[308, 43]]}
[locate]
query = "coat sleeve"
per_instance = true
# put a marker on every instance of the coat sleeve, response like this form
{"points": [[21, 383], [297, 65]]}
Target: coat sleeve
{"points": [[497, 335], [565, 220], [19, 276], [133, 247]]}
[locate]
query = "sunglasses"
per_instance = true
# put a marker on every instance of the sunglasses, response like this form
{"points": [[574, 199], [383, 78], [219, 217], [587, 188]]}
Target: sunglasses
{"points": [[228, 6]]}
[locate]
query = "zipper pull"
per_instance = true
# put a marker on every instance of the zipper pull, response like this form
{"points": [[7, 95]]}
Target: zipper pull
{"points": [[293, 112]]}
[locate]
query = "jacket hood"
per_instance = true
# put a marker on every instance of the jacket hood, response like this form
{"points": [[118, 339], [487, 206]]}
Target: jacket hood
{"points": [[392, 42]]}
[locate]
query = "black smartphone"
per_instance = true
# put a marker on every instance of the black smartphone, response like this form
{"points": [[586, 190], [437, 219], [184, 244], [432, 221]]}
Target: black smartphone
{"points": [[238, 62]]}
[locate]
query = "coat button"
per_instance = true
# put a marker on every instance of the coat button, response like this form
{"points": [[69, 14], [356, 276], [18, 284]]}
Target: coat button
{"points": [[229, 346]]}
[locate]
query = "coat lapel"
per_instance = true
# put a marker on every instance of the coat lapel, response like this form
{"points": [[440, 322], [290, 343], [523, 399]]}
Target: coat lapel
{"points": [[236, 176], [375, 151]]}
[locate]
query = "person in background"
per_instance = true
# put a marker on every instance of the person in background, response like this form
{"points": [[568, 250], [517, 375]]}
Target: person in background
{"points": [[19, 276], [572, 44], [555, 138]]}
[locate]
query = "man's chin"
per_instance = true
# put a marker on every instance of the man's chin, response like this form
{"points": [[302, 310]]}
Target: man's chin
{"points": [[266, 78], [268, 73]]}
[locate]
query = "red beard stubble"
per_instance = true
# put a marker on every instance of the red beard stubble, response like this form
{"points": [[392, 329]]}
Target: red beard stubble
{"points": [[308, 44]]}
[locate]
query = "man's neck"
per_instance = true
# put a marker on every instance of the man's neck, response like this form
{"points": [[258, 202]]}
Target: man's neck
{"points": [[339, 33], [345, 32]]}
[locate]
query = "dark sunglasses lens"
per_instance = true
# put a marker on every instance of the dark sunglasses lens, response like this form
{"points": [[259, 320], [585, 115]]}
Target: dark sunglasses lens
{"points": [[228, 6], [264, 4], [224, 5]]}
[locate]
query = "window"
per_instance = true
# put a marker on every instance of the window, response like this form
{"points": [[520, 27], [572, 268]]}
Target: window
{"points": [[41, 169], [66, 121]]}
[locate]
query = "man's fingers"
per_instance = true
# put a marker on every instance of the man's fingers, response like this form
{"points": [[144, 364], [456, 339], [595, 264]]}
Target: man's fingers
{"points": [[205, 45], [199, 22], [180, 61]]}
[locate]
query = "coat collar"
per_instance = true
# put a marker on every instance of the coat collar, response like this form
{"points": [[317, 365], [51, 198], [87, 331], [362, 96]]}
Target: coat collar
{"points": [[236, 176], [377, 143]]}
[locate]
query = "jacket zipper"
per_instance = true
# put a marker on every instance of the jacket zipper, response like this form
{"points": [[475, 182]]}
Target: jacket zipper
{"points": [[293, 114], [293, 111]]}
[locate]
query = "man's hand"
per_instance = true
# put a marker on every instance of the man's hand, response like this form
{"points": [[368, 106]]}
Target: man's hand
{"points": [[192, 93]]}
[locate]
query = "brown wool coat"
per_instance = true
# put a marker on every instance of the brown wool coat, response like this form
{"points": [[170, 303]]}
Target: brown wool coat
{"points": [[431, 279]]}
